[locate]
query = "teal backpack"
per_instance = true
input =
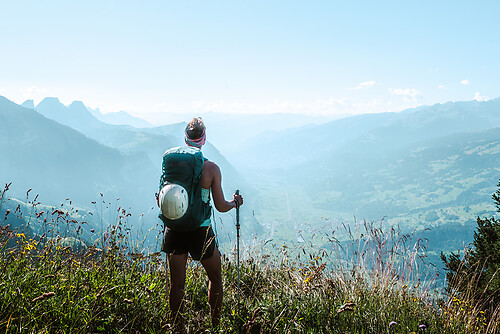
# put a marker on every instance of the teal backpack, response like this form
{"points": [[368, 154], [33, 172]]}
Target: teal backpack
{"points": [[184, 166]]}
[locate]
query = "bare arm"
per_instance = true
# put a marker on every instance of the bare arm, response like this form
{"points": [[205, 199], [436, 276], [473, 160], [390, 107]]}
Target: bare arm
{"points": [[212, 178]]}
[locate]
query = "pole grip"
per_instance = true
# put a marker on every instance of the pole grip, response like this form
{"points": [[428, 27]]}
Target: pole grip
{"points": [[237, 192]]}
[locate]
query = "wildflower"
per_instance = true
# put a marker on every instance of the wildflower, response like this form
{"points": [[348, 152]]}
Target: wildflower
{"points": [[423, 327], [392, 323], [30, 246]]}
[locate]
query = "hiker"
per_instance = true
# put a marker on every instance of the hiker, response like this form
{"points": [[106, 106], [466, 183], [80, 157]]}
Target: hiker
{"points": [[194, 234]]}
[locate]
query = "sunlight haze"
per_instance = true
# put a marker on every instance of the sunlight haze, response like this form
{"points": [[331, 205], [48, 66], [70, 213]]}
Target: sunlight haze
{"points": [[318, 58]]}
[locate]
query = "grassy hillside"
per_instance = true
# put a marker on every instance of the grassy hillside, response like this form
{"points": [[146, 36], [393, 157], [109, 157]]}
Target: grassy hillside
{"points": [[450, 171], [370, 284]]}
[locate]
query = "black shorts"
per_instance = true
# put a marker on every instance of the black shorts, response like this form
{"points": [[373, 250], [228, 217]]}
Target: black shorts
{"points": [[200, 243]]}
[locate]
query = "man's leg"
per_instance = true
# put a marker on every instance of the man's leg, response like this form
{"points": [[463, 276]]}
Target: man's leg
{"points": [[177, 264], [212, 266]]}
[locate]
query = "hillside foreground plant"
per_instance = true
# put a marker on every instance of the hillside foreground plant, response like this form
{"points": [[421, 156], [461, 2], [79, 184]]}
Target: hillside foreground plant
{"points": [[475, 277], [372, 281]]}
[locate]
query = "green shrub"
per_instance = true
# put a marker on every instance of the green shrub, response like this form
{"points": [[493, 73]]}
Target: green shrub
{"points": [[475, 277]]}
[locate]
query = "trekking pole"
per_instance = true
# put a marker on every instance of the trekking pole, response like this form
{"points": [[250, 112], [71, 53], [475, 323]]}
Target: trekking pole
{"points": [[237, 192]]}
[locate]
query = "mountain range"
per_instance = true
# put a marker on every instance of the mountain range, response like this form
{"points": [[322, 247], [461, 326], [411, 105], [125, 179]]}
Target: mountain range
{"points": [[429, 167], [60, 162], [66, 152], [126, 138]]}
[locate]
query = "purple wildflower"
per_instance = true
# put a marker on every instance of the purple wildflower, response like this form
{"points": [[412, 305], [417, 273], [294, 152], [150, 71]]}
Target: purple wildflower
{"points": [[423, 326], [392, 323]]}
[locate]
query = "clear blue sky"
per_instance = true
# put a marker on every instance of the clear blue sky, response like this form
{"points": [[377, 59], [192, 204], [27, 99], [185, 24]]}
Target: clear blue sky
{"points": [[315, 57]]}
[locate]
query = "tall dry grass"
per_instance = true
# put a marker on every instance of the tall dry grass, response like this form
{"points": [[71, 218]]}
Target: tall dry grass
{"points": [[363, 278]]}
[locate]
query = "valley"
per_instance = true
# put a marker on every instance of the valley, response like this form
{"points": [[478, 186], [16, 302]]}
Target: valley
{"points": [[428, 175]]}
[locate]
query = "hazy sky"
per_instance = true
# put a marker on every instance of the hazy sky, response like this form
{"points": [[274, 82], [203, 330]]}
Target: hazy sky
{"points": [[315, 57]]}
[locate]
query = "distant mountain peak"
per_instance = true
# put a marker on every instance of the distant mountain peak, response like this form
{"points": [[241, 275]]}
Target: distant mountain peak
{"points": [[28, 104], [51, 99], [76, 115], [50, 102], [78, 104]]}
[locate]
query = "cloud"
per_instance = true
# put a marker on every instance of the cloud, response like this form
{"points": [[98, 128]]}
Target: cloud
{"points": [[408, 94], [329, 107], [480, 98], [411, 92], [465, 82], [365, 84], [442, 87]]}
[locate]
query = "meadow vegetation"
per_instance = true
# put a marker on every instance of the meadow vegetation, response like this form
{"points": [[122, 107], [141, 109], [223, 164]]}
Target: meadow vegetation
{"points": [[372, 280]]}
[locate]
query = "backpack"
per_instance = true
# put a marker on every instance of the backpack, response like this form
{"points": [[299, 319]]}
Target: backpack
{"points": [[183, 166]]}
